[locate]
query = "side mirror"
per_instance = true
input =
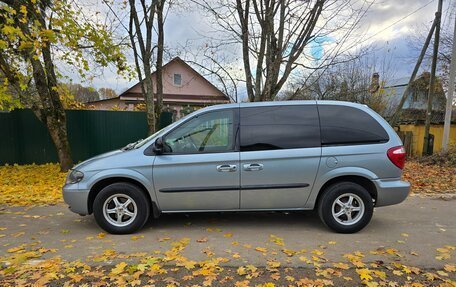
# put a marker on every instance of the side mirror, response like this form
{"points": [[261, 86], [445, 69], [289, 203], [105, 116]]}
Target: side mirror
{"points": [[158, 146]]}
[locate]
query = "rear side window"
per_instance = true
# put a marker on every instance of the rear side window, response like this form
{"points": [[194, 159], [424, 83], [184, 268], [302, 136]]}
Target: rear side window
{"points": [[348, 125], [279, 127]]}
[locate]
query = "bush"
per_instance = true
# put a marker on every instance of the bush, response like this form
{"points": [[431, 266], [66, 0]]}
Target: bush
{"points": [[447, 158]]}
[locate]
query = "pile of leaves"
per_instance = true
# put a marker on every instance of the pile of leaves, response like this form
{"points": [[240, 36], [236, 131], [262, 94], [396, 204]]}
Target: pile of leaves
{"points": [[444, 158], [430, 178], [22, 185]]}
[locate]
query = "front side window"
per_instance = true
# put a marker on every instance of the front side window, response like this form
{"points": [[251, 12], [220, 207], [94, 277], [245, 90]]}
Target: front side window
{"points": [[343, 125], [209, 132], [279, 127]]}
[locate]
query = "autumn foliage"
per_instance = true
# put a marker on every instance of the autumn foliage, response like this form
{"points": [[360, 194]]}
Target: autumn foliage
{"points": [[430, 178], [31, 184]]}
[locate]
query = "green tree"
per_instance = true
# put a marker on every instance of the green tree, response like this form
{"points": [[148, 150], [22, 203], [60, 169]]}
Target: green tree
{"points": [[37, 34]]}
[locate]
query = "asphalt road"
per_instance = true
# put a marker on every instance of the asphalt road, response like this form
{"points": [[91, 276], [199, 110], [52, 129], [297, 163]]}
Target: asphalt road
{"points": [[415, 228]]}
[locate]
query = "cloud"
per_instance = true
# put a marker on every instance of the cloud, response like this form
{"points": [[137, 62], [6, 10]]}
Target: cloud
{"points": [[190, 27]]}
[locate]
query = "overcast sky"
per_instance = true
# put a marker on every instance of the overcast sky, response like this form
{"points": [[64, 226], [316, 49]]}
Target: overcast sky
{"points": [[387, 25]]}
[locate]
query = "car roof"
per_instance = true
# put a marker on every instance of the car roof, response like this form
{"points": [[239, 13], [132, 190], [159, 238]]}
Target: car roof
{"points": [[282, 103]]}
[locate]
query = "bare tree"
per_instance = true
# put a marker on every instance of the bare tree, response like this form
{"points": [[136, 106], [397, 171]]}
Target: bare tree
{"points": [[140, 31], [274, 36], [146, 19], [361, 80]]}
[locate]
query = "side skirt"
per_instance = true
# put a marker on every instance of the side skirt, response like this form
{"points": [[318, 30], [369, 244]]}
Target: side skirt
{"points": [[234, 210]]}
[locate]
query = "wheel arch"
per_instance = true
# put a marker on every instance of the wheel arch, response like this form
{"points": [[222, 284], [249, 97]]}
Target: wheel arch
{"points": [[102, 183], [361, 180]]}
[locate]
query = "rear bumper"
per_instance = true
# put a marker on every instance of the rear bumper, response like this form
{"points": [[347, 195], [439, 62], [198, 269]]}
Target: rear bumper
{"points": [[76, 198], [391, 191]]}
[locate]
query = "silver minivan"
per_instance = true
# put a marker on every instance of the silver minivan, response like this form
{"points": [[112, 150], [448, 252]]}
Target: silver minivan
{"points": [[340, 158]]}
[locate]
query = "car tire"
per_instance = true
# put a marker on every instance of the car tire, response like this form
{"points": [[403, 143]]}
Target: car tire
{"points": [[346, 207], [121, 200]]}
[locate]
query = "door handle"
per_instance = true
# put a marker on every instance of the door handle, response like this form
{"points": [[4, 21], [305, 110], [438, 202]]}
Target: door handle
{"points": [[226, 167], [253, 166]]}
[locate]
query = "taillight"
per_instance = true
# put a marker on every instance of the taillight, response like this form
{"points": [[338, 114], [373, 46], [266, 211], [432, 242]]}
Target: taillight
{"points": [[397, 156]]}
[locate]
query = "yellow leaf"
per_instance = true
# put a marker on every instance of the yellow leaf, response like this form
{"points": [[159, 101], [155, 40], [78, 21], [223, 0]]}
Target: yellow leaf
{"points": [[277, 240], [244, 283], [119, 268], [23, 9], [341, 266], [290, 278], [289, 252], [241, 271], [261, 249], [273, 264], [364, 274], [3, 44]]}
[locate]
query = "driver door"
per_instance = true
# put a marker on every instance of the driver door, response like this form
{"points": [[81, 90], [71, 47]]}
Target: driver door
{"points": [[199, 169]]}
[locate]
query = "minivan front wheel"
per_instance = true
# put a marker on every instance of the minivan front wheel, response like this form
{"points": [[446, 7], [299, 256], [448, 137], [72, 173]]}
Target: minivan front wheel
{"points": [[346, 207], [121, 208]]}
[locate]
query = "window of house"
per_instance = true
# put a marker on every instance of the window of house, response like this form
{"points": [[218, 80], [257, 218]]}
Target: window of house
{"points": [[177, 79], [342, 125], [279, 127]]}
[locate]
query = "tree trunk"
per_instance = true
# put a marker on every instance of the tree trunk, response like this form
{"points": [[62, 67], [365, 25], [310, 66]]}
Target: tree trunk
{"points": [[52, 113], [56, 123], [149, 98], [159, 62], [145, 55], [58, 134], [244, 23]]}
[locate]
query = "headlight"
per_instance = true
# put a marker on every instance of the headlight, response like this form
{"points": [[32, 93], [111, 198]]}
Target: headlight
{"points": [[74, 176]]}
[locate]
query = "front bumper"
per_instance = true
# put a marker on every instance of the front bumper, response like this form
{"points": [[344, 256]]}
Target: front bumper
{"points": [[76, 198], [391, 191]]}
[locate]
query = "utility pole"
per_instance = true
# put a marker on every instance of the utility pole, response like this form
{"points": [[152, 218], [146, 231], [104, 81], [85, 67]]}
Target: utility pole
{"points": [[397, 112], [449, 104], [438, 16]]}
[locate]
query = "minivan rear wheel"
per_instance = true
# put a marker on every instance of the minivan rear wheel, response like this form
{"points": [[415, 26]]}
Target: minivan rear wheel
{"points": [[121, 208], [346, 207]]}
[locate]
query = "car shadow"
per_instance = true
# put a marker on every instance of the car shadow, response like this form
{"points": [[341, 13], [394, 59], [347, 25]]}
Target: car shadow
{"points": [[226, 220]]}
